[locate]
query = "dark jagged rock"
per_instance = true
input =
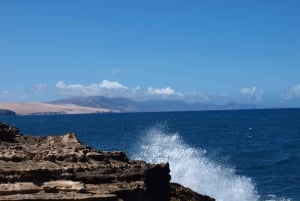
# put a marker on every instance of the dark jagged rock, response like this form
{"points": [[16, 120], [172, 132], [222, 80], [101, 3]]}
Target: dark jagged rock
{"points": [[179, 193], [62, 168], [7, 132]]}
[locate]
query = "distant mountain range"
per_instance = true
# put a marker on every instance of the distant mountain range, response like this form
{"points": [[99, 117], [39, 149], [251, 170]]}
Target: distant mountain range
{"points": [[101, 104], [129, 105]]}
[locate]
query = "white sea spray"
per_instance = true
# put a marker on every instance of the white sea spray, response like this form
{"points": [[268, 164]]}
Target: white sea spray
{"points": [[192, 168]]}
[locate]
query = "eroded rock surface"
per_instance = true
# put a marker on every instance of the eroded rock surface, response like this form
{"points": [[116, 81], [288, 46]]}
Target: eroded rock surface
{"points": [[62, 168]]}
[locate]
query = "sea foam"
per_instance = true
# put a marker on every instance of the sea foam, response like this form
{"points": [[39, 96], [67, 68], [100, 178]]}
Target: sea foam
{"points": [[192, 168]]}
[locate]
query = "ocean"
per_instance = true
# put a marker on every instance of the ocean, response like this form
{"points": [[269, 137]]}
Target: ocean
{"points": [[239, 155]]}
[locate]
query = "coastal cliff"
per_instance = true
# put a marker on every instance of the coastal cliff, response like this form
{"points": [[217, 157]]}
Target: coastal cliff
{"points": [[7, 112], [62, 168]]}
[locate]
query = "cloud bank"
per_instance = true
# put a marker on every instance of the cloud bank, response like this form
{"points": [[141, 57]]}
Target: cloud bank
{"points": [[105, 88], [115, 89]]}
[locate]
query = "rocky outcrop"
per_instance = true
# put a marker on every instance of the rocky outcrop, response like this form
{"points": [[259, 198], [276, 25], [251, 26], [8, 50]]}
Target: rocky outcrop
{"points": [[8, 133], [62, 168]]}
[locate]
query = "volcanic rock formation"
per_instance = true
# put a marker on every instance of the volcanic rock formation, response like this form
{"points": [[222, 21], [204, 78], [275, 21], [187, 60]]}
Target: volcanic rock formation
{"points": [[62, 168]]}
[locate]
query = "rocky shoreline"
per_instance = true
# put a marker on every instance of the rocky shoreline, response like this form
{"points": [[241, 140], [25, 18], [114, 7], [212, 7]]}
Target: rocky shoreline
{"points": [[62, 168]]}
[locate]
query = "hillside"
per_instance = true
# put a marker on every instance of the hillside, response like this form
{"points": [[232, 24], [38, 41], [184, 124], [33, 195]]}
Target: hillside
{"points": [[37, 108]]}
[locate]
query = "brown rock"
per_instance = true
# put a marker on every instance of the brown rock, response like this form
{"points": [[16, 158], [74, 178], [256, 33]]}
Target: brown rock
{"points": [[62, 168], [180, 193]]}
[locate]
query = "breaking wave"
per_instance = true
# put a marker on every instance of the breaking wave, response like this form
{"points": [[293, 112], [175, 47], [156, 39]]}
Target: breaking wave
{"points": [[192, 168]]}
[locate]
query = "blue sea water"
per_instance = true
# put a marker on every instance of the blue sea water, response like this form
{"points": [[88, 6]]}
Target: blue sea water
{"points": [[241, 155]]}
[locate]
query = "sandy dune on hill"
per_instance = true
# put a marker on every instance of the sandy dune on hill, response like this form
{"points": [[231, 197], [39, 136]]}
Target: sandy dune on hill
{"points": [[44, 108]]}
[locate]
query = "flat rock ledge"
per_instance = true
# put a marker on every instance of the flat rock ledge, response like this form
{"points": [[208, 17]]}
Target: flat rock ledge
{"points": [[55, 168]]}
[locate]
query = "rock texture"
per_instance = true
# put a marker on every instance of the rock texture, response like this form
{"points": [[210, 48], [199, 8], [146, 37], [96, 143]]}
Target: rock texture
{"points": [[61, 168]]}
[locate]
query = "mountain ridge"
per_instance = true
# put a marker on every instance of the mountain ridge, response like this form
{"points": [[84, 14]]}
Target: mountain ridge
{"points": [[153, 105], [101, 104]]}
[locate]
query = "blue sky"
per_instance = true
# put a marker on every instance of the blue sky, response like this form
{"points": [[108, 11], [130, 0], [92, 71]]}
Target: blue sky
{"points": [[206, 51]]}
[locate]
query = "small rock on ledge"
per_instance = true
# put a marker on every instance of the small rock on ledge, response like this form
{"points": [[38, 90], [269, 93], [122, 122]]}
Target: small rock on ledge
{"points": [[62, 168]]}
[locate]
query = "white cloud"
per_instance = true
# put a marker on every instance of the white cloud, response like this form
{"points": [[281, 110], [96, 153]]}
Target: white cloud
{"points": [[167, 91], [105, 88], [112, 85], [248, 91], [39, 88], [60, 84], [293, 93], [75, 89], [252, 93]]}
